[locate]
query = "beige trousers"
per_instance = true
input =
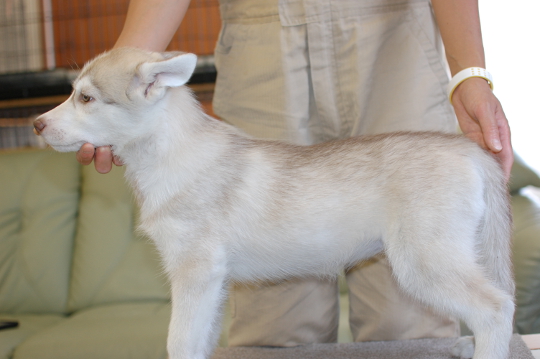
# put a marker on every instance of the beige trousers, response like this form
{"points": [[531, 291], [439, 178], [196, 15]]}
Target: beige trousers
{"points": [[308, 71]]}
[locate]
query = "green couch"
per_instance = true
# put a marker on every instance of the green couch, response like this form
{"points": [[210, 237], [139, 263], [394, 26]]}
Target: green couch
{"points": [[83, 284]]}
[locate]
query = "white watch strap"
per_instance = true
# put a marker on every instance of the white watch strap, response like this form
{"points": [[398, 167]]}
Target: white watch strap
{"points": [[464, 75]]}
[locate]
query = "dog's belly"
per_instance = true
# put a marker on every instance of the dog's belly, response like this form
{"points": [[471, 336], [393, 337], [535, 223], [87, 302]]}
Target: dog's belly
{"points": [[266, 258], [320, 237]]}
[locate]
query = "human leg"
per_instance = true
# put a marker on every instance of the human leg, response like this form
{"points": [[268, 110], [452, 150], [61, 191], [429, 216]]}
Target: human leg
{"points": [[284, 314], [379, 310]]}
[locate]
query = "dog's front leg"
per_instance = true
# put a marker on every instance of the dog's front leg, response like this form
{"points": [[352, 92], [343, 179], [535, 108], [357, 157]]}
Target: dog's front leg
{"points": [[198, 289]]}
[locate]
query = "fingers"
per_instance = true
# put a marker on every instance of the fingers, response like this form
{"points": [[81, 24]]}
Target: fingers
{"points": [[491, 123], [102, 157], [117, 161], [506, 155], [86, 154], [497, 135]]}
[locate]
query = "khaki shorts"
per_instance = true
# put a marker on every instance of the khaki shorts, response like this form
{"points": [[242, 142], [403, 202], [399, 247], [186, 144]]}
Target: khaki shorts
{"points": [[309, 71]]}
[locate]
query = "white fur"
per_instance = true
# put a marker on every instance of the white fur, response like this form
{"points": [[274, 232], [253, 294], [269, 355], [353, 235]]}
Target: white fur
{"points": [[221, 206]]}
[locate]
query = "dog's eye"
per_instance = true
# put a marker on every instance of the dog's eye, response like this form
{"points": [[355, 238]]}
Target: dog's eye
{"points": [[86, 98]]}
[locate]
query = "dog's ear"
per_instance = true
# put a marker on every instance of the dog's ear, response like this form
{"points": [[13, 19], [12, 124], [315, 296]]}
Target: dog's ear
{"points": [[173, 71]]}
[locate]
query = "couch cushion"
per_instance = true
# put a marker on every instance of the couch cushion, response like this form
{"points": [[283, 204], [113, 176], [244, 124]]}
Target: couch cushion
{"points": [[28, 326], [111, 263], [38, 208], [134, 331]]}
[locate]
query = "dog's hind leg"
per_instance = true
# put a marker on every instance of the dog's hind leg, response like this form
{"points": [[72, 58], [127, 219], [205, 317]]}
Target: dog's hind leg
{"points": [[440, 267]]}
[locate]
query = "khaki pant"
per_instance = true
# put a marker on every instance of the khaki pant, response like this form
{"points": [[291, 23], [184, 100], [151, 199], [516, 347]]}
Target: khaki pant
{"points": [[308, 71]]}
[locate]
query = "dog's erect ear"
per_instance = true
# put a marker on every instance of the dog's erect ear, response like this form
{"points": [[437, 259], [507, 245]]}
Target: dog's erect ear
{"points": [[172, 72]]}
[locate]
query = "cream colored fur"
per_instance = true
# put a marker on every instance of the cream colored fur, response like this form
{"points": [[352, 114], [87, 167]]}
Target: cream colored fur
{"points": [[221, 206]]}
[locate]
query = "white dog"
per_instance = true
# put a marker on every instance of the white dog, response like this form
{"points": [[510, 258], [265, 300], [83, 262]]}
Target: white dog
{"points": [[221, 206]]}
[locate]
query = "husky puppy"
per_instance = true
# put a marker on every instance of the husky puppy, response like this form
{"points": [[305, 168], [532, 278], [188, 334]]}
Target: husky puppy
{"points": [[221, 206]]}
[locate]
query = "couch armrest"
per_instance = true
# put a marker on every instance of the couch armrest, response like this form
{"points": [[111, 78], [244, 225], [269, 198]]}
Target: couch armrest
{"points": [[526, 259]]}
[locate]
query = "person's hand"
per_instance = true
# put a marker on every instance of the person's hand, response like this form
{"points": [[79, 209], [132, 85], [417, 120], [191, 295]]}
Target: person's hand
{"points": [[102, 157], [482, 119]]}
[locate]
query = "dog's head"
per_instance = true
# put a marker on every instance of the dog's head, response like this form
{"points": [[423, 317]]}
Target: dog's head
{"points": [[111, 97]]}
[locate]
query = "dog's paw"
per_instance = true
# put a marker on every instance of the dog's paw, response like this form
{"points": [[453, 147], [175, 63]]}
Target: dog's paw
{"points": [[464, 348]]}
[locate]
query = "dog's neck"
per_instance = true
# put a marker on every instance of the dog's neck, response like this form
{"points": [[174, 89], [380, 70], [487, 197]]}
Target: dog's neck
{"points": [[170, 157]]}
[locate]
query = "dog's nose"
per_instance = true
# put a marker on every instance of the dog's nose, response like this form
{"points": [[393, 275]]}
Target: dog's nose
{"points": [[38, 126]]}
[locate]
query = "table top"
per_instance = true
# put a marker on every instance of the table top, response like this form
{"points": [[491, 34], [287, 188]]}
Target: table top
{"points": [[439, 348]]}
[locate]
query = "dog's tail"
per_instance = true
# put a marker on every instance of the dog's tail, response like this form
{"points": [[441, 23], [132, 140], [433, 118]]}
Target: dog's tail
{"points": [[495, 233]]}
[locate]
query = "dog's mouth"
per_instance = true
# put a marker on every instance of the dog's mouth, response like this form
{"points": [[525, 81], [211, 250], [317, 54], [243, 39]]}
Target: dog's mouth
{"points": [[74, 147]]}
